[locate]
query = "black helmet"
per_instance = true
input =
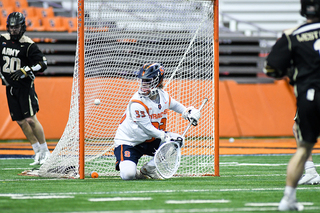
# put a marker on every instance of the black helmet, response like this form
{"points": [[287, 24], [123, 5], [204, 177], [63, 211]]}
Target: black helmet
{"points": [[310, 8], [151, 76], [14, 19]]}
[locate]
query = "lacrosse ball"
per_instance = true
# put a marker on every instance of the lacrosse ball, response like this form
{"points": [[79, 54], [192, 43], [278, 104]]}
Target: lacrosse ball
{"points": [[97, 102], [231, 140], [94, 174]]}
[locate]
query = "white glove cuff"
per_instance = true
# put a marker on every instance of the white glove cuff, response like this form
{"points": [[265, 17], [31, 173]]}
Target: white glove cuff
{"points": [[163, 136]]}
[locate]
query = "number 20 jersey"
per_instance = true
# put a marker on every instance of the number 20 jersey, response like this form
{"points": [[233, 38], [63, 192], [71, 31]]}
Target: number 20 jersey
{"points": [[17, 54]]}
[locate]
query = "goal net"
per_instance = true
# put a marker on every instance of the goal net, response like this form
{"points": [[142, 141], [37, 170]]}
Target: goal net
{"points": [[119, 37]]}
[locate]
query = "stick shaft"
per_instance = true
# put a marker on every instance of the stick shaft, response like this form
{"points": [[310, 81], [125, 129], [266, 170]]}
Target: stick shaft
{"points": [[189, 125]]}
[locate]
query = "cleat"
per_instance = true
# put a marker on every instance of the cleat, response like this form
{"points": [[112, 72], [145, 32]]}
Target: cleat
{"points": [[140, 176], [150, 171], [309, 179], [36, 159], [44, 156], [289, 205]]}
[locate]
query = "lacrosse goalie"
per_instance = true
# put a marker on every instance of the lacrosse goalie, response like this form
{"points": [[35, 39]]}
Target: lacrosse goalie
{"points": [[142, 127]]}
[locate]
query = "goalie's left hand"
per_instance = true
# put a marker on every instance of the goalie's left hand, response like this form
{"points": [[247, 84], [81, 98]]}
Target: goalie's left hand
{"points": [[192, 114]]}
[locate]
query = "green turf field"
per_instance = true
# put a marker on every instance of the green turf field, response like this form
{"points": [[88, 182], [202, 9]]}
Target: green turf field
{"points": [[246, 184]]}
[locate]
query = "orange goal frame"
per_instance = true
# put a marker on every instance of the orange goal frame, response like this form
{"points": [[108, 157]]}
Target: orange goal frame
{"points": [[81, 59]]}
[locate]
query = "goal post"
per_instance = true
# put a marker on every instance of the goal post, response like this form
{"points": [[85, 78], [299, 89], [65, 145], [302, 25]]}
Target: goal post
{"points": [[114, 39]]}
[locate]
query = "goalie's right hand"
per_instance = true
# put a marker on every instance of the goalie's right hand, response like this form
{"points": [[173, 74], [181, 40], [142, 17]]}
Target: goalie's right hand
{"points": [[171, 136], [192, 115]]}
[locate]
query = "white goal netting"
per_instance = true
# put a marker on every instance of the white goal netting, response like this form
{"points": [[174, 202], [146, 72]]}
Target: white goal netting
{"points": [[120, 36]]}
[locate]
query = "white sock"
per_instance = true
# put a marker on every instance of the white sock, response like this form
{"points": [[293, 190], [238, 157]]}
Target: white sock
{"points": [[36, 147], [290, 192], [310, 168], [44, 147]]}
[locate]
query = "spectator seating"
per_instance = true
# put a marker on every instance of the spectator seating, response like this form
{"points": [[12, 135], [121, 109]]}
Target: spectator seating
{"points": [[37, 18], [53, 24], [20, 3], [45, 12], [71, 23], [28, 12], [34, 24], [7, 3], [5, 11]]}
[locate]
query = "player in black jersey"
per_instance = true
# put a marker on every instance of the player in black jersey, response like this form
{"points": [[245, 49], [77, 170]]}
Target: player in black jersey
{"points": [[21, 58], [300, 48]]}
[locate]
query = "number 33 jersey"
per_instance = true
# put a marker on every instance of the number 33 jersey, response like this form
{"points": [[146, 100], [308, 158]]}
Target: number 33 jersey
{"points": [[144, 120]]}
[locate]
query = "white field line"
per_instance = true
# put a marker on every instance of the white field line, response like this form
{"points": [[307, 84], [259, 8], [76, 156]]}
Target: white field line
{"points": [[221, 164], [196, 201], [118, 199], [245, 209], [64, 179], [157, 191], [252, 164], [275, 204], [14, 168], [39, 197]]}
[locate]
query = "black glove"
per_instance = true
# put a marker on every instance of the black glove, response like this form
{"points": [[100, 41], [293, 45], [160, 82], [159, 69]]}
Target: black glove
{"points": [[22, 73], [274, 73]]}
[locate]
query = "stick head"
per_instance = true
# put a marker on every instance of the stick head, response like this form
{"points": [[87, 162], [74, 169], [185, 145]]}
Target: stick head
{"points": [[167, 159]]}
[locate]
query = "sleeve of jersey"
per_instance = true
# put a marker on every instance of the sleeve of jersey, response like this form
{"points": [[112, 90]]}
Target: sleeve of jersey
{"points": [[140, 116], [278, 60], [176, 106], [38, 60]]}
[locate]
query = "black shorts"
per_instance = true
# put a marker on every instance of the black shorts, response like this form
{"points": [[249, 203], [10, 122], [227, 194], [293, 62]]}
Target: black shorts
{"points": [[308, 117], [134, 153], [23, 102]]}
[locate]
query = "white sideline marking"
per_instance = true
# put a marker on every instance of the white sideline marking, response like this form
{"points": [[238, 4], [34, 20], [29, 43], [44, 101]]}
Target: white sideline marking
{"points": [[245, 209], [119, 199], [252, 164], [275, 204], [40, 197], [35, 196], [14, 168], [196, 201], [162, 191], [10, 195]]}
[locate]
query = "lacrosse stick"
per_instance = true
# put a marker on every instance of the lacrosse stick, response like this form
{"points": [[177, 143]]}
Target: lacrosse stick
{"points": [[4, 80], [168, 155]]}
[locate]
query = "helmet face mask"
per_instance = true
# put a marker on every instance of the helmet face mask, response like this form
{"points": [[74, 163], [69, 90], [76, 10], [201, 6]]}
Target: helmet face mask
{"points": [[151, 77], [16, 25]]}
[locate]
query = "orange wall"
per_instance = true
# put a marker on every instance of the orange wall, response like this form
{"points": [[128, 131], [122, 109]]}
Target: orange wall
{"points": [[54, 94], [256, 109], [245, 109]]}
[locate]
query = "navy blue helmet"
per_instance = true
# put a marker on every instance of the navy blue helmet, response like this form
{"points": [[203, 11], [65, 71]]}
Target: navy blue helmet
{"points": [[151, 76]]}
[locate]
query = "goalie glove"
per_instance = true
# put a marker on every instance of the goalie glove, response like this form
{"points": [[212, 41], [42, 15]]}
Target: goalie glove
{"points": [[171, 136], [192, 115], [22, 73]]}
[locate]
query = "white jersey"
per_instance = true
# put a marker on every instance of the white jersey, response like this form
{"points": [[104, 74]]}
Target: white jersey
{"points": [[144, 120]]}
